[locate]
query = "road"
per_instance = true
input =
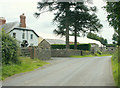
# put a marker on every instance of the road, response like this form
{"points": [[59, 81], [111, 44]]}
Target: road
{"points": [[88, 71]]}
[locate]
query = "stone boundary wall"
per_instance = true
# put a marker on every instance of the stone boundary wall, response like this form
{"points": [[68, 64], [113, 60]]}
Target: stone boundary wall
{"points": [[67, 53], [108, 50], [42, 54], [45, 54]]}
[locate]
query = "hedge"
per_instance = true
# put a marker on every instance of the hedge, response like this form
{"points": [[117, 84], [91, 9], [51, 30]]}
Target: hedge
{"points": [[79, 46], [111, 45]]}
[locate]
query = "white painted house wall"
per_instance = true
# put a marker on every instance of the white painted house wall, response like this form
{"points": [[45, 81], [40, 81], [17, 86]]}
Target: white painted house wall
{"points": [[27, 37]]}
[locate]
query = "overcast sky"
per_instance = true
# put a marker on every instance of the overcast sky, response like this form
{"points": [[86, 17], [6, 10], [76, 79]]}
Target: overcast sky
{"points": [[12, 9]]}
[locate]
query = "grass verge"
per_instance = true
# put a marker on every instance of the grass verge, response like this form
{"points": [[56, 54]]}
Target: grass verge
{"points": [[26, 65], [115, 67], [91, 55]]}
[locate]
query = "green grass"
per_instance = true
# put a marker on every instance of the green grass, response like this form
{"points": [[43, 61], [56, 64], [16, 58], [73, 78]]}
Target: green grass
{"points": [[114, 61], [26, 65], [82, 56], [104, 55], [91, 55]]}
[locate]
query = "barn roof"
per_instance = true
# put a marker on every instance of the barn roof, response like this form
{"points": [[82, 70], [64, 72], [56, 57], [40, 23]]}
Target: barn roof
{"points": [[55, 41], [81, 40]]}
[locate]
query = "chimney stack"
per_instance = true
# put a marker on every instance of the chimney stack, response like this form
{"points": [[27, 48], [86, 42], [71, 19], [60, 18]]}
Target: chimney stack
{"points": [[2, 21], [23, 21]]}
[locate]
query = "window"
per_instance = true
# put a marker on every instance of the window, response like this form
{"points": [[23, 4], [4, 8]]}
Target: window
{"points": [[14, 35], [23, 35], [31, 36]]}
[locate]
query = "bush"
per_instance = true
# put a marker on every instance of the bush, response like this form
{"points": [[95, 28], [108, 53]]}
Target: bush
{"points": [[99, 52], [79, 46], [96, 54], [9, 49]]}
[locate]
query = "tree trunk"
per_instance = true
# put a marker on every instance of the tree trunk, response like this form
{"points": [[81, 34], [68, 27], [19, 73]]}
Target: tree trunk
{"points": [[75, 41], [67, 26], [67, 38]]}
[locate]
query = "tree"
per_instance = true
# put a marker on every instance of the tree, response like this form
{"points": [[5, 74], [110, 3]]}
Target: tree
{"points": [[115, 38], [62, 9], [81, 21], [113, 9], [96, 37], [9, 49]]}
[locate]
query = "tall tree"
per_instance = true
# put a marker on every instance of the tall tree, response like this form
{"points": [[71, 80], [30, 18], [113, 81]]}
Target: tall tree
{"points": [[62, 8], [82, 20], [76, 16], [113, 9]]}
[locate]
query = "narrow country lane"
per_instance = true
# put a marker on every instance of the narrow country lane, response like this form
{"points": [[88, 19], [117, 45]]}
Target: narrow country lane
{"points": [[88, 71]]}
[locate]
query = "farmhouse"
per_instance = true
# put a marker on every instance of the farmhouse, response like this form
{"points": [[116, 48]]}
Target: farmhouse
{"points": [[25, 35]]}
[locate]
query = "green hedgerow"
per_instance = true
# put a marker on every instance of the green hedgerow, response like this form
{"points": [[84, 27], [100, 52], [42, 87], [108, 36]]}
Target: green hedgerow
{"points": [[9, 49]]}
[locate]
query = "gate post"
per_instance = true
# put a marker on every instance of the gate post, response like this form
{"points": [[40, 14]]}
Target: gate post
{"points": [[32, 53]]}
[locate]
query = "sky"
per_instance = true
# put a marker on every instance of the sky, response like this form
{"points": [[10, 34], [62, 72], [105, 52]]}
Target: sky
{"points": [[12, 9]]}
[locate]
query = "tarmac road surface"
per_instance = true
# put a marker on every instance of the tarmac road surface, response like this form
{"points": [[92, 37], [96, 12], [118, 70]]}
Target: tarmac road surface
{"points": [[88, 71]]}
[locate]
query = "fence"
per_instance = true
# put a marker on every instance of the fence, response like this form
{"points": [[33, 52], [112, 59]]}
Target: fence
{"points": [[35, 52], [25, 51]]}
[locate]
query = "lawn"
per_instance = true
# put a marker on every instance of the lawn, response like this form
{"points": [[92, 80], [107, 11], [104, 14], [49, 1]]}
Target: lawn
{"points": [[26, 65]]}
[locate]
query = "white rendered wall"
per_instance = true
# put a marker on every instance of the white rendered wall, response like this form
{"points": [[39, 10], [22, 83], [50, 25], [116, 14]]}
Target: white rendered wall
{"points": [[27, 37]]}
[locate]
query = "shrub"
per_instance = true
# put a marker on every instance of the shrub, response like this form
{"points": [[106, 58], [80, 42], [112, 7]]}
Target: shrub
{"points": [[96, 54], [115, 64], [99, 52], [9, 49], [79, 46]]}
